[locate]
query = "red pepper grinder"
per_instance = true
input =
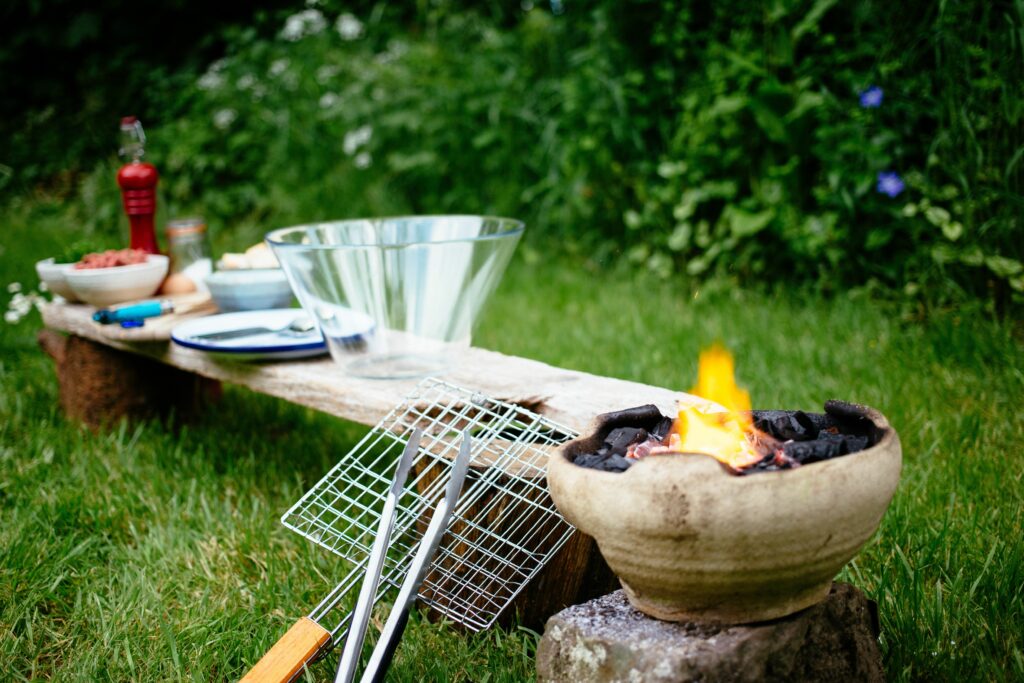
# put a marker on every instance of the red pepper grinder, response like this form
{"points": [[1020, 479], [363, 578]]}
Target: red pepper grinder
{"points": [[138, 186]]}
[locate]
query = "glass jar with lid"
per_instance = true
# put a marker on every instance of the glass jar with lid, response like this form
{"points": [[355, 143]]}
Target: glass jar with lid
{"points": [[189, 249]]}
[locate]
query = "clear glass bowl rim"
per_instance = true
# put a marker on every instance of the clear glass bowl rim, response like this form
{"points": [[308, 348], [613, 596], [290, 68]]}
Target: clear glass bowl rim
{"points": [[514, 227]]}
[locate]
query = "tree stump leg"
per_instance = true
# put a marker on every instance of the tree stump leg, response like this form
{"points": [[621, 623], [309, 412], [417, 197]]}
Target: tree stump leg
{"points": [[575, 574], [100, 385]]}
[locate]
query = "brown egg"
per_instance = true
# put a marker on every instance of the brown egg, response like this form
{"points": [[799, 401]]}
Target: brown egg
{"points": [[177, 283]]}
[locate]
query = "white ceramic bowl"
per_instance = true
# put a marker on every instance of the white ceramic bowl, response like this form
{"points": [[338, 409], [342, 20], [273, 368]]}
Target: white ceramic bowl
{"points": [[249, 290], [107, 286], [53, 274]]}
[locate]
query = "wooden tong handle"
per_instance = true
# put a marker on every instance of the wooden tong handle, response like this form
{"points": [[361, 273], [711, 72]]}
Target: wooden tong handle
{"points": [[288, 655]]}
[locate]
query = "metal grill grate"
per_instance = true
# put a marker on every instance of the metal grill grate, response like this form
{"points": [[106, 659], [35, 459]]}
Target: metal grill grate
{"points": [[504, 529]]}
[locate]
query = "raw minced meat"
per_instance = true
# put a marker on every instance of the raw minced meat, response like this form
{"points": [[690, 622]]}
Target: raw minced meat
{"points": [[111, 258]]}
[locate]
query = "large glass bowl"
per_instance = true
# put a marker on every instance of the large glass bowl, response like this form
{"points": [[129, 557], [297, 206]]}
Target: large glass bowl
{"points": [[396, 297]]}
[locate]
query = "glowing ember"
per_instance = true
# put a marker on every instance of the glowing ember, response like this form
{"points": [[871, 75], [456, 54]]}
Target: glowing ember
{"points": [[728, 436]]}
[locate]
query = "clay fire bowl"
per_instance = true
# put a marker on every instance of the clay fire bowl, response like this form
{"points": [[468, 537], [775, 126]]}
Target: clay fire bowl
{"points": [[690, 541]]}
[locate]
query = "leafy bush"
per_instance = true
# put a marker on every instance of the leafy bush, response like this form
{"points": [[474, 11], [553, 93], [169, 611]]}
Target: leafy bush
{"points": [[845, 144], [792, 129]]}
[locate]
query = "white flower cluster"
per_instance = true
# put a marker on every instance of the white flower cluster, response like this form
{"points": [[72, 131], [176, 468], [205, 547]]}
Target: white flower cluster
{"points": [[328, 100], [326, 72], [354, 141], [396, 49], [223, 118], [21, 304], [213, 79], [308, 22], [278, 67], [349, 27]]}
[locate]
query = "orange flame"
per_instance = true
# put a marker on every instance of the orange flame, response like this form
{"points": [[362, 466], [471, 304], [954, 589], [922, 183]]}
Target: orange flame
{"points": [[724, 435]]}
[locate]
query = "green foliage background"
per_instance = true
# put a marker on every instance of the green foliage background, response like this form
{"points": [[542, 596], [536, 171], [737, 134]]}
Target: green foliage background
{"points": [[712, 139]]}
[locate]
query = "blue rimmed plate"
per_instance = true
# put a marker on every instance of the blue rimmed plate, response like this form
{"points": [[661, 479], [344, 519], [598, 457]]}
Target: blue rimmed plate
{"points": [[281, 345]]}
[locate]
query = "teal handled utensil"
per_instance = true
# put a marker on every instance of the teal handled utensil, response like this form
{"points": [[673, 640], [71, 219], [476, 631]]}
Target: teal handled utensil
{"points": [[136, 311]]}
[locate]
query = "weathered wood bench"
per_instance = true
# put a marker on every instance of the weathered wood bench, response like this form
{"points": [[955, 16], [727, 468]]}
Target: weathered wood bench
{"points": [[566, 396]]}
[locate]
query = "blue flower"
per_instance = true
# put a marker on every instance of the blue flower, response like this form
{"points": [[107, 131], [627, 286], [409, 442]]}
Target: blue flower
{"points": [[890, 183], [871, 98]]}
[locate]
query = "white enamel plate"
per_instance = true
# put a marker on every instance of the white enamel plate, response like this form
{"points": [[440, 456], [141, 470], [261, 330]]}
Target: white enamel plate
{"points": [[272, 345]]}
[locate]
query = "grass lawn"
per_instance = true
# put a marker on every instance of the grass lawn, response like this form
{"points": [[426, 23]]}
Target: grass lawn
{"points": [[154, 552]]}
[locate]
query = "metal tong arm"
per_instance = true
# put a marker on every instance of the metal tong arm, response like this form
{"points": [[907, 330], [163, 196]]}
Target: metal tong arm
{"points": [[306, 639], [375, 564], [383, 652]]}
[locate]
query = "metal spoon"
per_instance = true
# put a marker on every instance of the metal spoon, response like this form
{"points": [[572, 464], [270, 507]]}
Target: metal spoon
{"points": [[299, 327]]}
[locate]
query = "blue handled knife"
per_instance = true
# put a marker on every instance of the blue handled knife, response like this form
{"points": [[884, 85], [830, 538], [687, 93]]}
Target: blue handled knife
{"points": [[137, 311]]}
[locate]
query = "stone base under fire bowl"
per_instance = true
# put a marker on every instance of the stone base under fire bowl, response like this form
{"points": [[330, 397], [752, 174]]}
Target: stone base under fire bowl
{"points": [[691, 541]]}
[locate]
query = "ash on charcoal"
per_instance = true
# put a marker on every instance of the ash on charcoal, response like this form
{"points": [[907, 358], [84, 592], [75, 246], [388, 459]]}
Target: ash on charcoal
{"points": [[788, 438]]}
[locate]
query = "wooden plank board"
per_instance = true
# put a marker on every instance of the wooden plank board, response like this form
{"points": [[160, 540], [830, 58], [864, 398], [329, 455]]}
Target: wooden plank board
{"points": [[566, 396], [186, 307]]}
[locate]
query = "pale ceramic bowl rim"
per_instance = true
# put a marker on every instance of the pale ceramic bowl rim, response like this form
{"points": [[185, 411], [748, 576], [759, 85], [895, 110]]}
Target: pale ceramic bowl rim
{"points": [[51, 262], [246, 276], [54, 275], [688, 461]]}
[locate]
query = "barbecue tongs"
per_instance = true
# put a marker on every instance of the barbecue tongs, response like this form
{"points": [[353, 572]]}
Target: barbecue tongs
{"points": [[395, 625]]}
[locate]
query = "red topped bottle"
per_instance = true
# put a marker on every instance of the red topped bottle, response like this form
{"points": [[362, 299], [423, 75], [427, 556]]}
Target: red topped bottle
{"points": [[138, 186]]}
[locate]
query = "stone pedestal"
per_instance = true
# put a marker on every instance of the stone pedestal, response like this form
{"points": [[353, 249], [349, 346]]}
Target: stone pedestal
{"points": [[100, 385], [606, 640]]}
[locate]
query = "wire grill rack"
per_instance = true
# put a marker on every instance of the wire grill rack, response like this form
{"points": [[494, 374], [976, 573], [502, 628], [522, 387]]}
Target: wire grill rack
{"points": [[505, 527]]}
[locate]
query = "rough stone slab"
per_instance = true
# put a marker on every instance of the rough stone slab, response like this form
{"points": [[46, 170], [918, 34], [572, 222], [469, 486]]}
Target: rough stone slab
{"points": [[606, 640]]}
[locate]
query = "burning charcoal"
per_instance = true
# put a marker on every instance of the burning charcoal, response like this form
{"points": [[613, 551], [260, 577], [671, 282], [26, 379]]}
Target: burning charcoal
{"points": [[594, 460], [838, 439], [763, 464], [773, 462], [806, 452], [641, 416], [816, 422], [852, 444], [793, 425], [616, 463], [850, 417], [661, 430], [782, 424], [787, 438], [618, 440]]}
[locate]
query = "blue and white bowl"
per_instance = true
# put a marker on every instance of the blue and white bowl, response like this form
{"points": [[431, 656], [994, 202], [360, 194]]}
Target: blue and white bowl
{"points": [[249, 290]]}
